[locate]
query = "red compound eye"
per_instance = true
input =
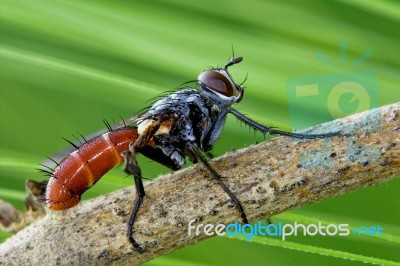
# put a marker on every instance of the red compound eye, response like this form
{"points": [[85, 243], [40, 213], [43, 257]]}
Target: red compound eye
{"points": [[218, 82]]}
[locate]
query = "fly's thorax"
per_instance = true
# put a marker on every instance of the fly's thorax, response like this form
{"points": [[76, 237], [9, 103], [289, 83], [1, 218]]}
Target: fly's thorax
{"points": [[164, 128], [215, 108], [175, 99]]}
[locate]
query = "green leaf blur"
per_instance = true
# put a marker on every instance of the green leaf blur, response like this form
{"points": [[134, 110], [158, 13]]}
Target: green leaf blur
{"points": [[67, 65]]}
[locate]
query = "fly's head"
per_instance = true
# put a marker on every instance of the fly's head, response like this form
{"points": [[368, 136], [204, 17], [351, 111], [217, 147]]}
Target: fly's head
{"points": [[218, 85]]}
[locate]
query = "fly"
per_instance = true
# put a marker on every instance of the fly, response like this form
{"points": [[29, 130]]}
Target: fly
{"points": [[186, 123]]}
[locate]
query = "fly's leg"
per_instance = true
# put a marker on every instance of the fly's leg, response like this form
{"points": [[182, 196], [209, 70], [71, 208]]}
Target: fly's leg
{"points": [[194, 154], [132, 168], [270, 130]]}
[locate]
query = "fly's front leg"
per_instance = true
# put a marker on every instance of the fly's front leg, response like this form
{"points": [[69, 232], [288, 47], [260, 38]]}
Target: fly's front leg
{"points": [[270, 130], [132, 168], [193, 153]]}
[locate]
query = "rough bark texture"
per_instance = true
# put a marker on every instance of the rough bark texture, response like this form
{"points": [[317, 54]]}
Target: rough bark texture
{"points": [[268, 178]]}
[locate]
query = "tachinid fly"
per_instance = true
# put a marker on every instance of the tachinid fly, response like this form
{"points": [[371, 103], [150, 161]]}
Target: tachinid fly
{"points": [[186, 123]]}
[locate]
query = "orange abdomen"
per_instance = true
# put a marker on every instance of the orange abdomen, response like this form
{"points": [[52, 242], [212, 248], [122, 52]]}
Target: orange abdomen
{"points": [[85, 166]]}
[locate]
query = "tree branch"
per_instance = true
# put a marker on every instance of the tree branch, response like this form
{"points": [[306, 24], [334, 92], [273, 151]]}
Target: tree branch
{"points": [[268, 178]]}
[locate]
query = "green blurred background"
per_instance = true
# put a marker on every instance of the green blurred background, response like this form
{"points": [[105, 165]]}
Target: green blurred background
{"points": [[67, 65]]}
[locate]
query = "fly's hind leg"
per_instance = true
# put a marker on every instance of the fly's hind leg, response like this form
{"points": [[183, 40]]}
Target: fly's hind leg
{"points": [[132, 168]]}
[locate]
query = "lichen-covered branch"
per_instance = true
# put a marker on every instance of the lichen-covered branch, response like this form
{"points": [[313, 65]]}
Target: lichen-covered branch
{"points": [[268, 178]]}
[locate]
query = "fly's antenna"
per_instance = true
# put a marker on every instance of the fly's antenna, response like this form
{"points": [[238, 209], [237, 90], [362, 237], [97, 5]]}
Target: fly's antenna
{"points": [[233, 61]]}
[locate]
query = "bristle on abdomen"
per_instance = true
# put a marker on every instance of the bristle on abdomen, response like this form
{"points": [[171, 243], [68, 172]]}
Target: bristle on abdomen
{"points": [[85, 166]]}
